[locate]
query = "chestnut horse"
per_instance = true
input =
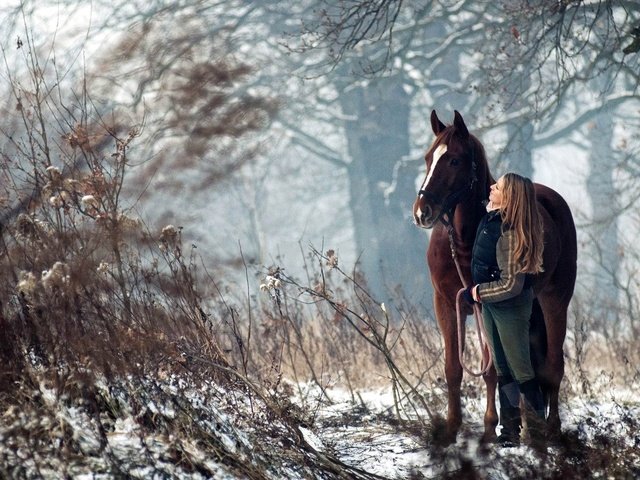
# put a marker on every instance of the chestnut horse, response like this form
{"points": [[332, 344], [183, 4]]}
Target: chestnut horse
{"points": [[453, 198]]}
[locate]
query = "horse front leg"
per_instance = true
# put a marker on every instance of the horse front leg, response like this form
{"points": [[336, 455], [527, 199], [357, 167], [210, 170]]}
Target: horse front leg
{"points": [[491, 413], [446, 317]]}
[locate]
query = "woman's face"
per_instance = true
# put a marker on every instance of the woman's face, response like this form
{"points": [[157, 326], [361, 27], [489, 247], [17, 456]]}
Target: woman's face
{"points": [[496, 194]]}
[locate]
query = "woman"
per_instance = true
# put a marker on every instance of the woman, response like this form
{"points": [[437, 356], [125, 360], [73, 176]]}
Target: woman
{"points": [[506, 254]]}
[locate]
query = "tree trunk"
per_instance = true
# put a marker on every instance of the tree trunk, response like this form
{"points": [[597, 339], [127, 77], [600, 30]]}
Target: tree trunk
{"points": [[519, 152], [382, 189], [604, 229]]}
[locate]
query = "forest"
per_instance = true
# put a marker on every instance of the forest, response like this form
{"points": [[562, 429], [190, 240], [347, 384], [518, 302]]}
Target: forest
{"points": [[208, 259]]}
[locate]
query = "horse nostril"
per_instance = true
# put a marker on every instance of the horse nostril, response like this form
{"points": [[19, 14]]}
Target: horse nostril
{"points": [[425, 213]]}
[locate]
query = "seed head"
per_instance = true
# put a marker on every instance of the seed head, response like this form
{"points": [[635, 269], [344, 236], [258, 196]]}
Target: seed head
{"points": [[332, 259], [56, 201], [27, 284], [25, 226], [56, 276], [54, 172], [169, 233], [89, 201], [103, 268]]}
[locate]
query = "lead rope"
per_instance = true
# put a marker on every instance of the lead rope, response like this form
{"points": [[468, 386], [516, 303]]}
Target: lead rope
{"points": [[482, 336]]}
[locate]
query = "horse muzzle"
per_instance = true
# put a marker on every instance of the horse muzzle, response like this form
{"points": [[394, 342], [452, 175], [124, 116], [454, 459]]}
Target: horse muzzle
{"points": [[423, 216]]}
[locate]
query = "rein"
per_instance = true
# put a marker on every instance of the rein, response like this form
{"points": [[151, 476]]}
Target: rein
{"points": [[485, 365]]}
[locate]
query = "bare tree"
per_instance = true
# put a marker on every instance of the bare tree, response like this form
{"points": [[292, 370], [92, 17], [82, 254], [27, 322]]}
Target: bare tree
{"points": [[342, 28], [193, 94]]}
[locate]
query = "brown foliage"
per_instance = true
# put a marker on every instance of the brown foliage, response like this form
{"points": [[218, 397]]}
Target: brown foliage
{"points": [[204, 109]]}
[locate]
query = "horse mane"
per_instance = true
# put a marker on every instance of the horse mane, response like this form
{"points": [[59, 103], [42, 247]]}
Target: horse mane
{"points": [[483, 172], [444, 136]]}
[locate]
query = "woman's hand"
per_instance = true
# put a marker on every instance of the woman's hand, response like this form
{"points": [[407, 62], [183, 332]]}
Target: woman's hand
{"points": [[467, 295]]}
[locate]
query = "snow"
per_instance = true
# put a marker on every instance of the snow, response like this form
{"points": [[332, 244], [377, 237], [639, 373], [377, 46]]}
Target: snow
{"points": [[170, 426], [163, 426], [372, 441], [312, 439]]}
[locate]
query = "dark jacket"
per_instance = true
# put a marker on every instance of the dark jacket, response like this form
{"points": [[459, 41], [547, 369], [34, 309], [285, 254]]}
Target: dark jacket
{"points": [[484, 262], [494, 266]]}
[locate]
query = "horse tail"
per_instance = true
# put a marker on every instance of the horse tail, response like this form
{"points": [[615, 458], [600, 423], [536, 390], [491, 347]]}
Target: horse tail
{"points": [[537, 336]]}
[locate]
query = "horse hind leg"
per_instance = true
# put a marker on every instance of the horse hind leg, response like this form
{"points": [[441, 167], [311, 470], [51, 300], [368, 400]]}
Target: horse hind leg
{"points": [[549, 335], [538, 349], [538, 342]]}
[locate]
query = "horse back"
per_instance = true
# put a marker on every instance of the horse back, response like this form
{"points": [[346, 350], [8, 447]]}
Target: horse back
{"points": [[560, 245]]}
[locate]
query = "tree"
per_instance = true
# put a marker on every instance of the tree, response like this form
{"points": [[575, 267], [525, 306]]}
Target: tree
{"points": [[195, 97], [369, 161], [201, 120], [382, 157]]}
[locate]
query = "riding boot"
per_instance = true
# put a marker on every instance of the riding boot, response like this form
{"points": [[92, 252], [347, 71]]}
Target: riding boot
{"points": [[535, 413], [509, 396]]}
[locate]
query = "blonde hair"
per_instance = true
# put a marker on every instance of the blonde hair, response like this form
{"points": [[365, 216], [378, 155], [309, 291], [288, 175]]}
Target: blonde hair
{"points": [[520, 213]]}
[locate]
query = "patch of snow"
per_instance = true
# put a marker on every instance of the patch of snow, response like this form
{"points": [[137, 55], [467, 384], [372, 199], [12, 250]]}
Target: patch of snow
{"points": [[312, 439]]}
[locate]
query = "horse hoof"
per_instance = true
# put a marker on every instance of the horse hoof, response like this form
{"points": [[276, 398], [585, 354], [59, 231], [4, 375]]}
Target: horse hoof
{"points": [[441, 433], [488, 437], [554, 431], [554, 435]]}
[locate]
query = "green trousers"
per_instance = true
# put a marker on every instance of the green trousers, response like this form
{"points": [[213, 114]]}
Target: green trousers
{"points": [[507, 327]]}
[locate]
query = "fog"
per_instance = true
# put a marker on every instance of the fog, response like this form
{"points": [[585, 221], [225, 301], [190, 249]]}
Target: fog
{"points": [[336, 163]]}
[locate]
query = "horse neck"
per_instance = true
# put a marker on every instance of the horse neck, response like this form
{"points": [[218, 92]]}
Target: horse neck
{"points": [[465, 223], [468, 214]]}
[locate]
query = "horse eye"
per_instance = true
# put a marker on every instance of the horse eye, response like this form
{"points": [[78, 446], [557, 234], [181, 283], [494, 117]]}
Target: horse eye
{"points": [[454, 162]]}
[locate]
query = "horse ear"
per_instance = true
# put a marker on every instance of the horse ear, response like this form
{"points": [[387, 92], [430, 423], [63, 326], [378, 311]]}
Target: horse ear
{"points": [[436, 125], [458, 122]]}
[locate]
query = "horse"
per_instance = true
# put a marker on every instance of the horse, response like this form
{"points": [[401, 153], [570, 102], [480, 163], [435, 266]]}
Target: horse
{"points": [[451, 202]]}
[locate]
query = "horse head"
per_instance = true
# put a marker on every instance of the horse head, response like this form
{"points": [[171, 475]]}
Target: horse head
{"points": [[453, 162]]}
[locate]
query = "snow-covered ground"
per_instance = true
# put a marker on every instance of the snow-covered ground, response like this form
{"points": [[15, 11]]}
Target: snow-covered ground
{"points": [[167, 426], [374, 442]]}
